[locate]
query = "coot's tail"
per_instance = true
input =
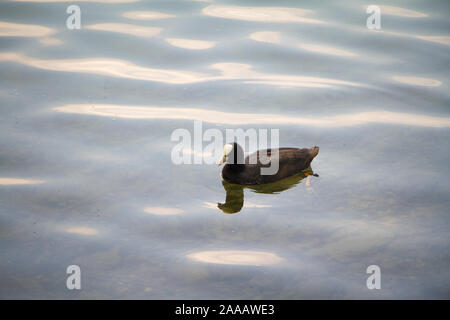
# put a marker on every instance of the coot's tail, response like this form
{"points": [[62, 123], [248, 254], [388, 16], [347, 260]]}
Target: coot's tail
{"points": [[314, 151]]}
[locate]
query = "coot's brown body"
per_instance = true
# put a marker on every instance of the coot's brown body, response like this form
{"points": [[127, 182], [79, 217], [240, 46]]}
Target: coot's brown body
{"points": [[248, 171]]}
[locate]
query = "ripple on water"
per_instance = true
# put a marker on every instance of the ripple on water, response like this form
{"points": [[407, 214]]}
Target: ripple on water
{"points": [[233, 118], [401, 12], [147, 15], [418, 81], [191, 44], [261, 14], [83, 231], [99, 1], [17, 181], [9, 29], [124, 28], [437, 39], [125, 69], [266, 36], [163, 211], [327, 50], [236, 257]]}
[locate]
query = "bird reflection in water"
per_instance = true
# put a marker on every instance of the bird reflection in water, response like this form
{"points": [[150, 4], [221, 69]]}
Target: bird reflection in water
{"points": [[234, 200]]}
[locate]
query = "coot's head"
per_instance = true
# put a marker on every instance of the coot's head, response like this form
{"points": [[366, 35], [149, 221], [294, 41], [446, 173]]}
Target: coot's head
{"points": [[232, 154]]}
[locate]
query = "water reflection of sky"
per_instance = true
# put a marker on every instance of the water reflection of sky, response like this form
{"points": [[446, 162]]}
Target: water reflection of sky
{"points": [[219, 117], [85, 170]]}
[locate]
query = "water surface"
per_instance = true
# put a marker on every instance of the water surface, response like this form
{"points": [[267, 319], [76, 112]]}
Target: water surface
{"points": [[86, 176]]}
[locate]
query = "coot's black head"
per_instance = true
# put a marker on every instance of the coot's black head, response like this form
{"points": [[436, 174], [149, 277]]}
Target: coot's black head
{"points": [[233, 154]]}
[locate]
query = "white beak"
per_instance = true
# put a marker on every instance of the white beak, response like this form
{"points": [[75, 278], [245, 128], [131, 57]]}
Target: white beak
{"points": [[224, 158], [226, 150]]}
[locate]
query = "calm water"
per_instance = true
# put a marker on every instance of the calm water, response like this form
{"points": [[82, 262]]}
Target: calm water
{"points": [[86, 176]]}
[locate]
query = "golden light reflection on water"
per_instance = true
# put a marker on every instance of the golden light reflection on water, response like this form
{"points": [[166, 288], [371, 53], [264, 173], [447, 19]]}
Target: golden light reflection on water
{"points": [[16, 181], [326, 50], [163, 211], [191, 44], [84, 231], [288, 84], [147, 15], [401, 12], [220, 117], [9, 29], [275, 38], [244, 72], [124, 28], [100, 1], [418, 81], [266, 36], [108, 67], [437, 39], [125, 69], [262, 14], [236, 257]]}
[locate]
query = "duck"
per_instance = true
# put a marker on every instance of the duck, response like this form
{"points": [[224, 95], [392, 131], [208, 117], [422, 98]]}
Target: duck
{"points": [[257, 168]]}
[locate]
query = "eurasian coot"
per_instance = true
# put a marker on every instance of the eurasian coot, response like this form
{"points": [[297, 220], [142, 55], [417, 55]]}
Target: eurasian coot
{"points": [[248, 170]]}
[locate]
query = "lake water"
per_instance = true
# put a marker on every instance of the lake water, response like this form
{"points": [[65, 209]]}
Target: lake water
{"points": [[86, 176]]}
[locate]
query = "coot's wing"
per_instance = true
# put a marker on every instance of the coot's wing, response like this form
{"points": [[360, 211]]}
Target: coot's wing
{"points": [[290, 161], [264, 157]]}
